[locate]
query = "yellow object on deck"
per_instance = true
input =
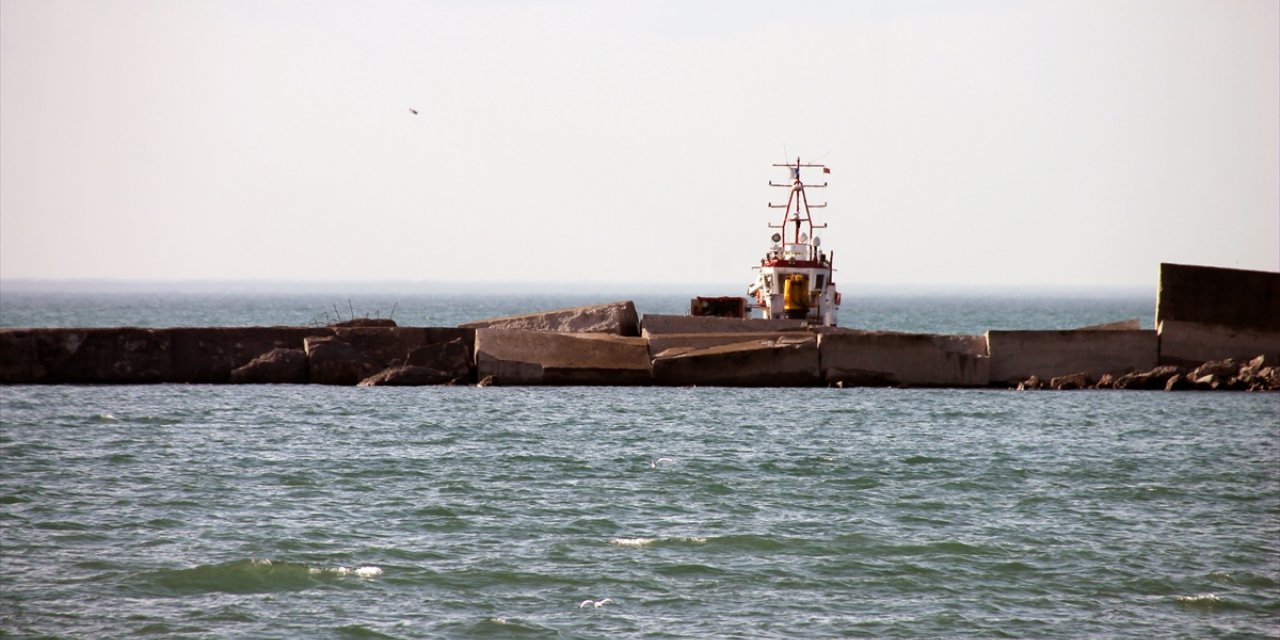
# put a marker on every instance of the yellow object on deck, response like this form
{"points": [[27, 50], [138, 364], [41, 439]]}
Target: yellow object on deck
{"points": [[795, 295]]}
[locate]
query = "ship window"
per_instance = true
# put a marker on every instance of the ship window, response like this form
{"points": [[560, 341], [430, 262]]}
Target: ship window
{"points": [[819, 281]]}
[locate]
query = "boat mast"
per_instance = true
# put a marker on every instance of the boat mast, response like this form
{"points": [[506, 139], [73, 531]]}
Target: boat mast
{"points": [[796, 209]]}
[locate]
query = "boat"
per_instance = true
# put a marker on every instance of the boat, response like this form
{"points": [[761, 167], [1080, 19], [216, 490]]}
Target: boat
{"points": [[796, 277]]}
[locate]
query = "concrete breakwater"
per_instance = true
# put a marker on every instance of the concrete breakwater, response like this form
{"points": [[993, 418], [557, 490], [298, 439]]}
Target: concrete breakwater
{"points": [[1227, 339]]}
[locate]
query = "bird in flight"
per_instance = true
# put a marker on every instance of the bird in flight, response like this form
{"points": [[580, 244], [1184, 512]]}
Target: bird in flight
{"points": [[597, 603], [413, 111]]}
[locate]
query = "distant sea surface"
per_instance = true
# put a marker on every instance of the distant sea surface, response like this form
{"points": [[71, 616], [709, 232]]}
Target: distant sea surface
{"points": [[932, 313], [188, 511]]}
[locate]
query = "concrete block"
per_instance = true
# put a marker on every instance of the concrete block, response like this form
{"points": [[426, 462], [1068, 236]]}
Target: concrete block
{"points": [[514, 357], [617, 318], [1190, 343], [124, 355], [1018, 355], [17, 356], [658, 343], [1214, 295], [790, 361], [872, 358], [1211, 313], [657, 324], [1132, 324]]}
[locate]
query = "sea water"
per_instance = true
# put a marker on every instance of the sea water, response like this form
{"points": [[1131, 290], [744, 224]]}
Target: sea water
{"points": [[192, 511]]}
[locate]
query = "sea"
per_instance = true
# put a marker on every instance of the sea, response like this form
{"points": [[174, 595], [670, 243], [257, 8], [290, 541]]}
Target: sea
{"points": [[205, 511]]}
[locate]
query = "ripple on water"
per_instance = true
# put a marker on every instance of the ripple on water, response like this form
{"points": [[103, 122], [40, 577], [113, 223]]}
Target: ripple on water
{"points": [[244, 577]]}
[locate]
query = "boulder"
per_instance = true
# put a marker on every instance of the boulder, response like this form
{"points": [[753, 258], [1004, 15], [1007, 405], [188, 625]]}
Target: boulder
{"points": [[1155, 379], [1070, 382], [1179, 382], [1256, 365], [278, 366], [616, 318], [410, 376], [1219, 368], [514, 357], [1266, 379], [781, 362], [1030, 384]]}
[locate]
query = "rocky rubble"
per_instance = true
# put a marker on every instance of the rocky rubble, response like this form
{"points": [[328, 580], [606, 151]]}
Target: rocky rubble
{"points": [[1257, 374]]}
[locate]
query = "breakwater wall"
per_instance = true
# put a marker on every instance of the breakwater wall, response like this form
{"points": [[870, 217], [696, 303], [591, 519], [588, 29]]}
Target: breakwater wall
{"points": [[1202, 341]]}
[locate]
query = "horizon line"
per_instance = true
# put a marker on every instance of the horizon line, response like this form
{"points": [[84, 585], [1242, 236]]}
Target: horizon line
{"points": [[501, 287]]}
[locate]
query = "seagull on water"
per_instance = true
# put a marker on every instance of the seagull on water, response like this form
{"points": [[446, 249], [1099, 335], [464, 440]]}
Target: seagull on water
{"points": [[655, 463], [596, 603]]}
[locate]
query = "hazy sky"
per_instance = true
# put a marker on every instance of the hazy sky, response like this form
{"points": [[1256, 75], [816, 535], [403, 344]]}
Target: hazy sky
{"points": [[978, 143]]}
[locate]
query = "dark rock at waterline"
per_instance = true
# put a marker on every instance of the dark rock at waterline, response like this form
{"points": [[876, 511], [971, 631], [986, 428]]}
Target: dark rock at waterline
{"points": [[1071, 382], [1179, 382], [1223, 369], [1155, 379], [410, 376], [278, 366], [1032, 383]]}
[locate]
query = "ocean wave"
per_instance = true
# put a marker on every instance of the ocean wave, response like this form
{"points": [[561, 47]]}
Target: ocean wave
{"points": [[1210, 602]]}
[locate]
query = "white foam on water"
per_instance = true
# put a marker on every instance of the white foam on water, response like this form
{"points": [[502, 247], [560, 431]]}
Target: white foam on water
{"points": [[1200, 598], [367, 571], [645, 542], [633, 542]]}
